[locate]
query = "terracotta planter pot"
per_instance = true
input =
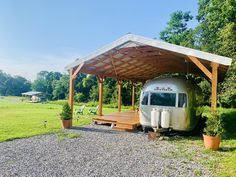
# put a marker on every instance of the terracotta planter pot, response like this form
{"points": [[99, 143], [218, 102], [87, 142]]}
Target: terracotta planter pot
{"points": [[70, 123], [211, 142], [66, 123]]}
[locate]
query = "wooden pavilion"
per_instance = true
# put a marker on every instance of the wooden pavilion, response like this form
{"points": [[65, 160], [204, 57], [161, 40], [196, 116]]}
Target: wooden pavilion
{"points": [[138, 59]]}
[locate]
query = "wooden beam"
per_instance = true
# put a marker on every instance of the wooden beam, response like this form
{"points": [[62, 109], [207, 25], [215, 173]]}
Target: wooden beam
{"points": [[119, 95], [100, 100], [133, 95], [77, 70], [214, 86], [113, 65], [201, 66], [71, 91]]}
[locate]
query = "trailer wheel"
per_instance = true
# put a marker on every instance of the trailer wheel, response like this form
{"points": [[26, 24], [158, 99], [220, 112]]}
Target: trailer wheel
{"points": [[145, 129]]}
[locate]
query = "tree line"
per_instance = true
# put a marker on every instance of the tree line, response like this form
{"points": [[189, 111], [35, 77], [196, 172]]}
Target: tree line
{"points": [[55, 86], [13, 85]]}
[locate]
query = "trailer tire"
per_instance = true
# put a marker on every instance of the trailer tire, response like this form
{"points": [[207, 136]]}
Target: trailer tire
{"points": [[145, 129]]}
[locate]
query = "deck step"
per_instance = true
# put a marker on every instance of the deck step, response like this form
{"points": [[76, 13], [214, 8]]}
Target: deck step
{"points": [[125, 127], [125, 121], [103, 121]]}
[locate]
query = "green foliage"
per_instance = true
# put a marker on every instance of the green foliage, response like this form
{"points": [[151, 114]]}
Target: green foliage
{"points": [[214, 123], [13, 86], [229, 123], [66, 113], [228, 87], [61, 87], [177, 31], [109, 90], [80, 97], [94, 93], [45, 81], [215, 33], [206, 91]]}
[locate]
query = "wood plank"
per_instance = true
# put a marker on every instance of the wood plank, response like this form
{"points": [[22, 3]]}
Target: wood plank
{"points": [[77, 70], [214, 86], [100, 80], [113, 65], [71, 91], [201, 66], [121, 120], [119, 95]]}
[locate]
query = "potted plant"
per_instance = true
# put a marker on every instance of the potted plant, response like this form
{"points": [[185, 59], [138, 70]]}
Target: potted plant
{"points": [[213, 130], [66, 116]]}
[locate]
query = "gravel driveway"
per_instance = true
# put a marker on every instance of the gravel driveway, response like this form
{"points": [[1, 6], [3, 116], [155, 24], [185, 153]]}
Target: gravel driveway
{"points": [[99, 151]]}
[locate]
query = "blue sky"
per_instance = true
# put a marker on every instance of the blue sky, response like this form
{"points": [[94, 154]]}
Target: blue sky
{"points": [[40, 35]]}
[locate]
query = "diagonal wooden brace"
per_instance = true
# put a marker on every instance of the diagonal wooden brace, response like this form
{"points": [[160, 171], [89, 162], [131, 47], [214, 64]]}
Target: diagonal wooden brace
{"points": [[77, 70], [201, 66]]}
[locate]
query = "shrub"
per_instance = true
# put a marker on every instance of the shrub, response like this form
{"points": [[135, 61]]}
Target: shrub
{"points": [[229, 119], [66, 113], [214, 123]]}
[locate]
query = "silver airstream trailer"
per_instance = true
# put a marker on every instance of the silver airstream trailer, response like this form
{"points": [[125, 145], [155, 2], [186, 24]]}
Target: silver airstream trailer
{"points": [[174, 98]]}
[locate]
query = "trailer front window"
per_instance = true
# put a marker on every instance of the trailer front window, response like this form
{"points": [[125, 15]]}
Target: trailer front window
{"points": [[163, 99], [182, 102], [145, 98]]}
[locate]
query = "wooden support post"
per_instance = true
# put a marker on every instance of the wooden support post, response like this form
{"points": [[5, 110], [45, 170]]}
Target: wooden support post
{"points": [[133, 94], [73, 73], [119, 95], [100, 100], [71, 91], [214, 86]]}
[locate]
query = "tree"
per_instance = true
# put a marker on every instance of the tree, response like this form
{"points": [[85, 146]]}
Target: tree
{"points": [[109, 90], [217, 31], [213, 17], [13, 85], [44, 82], [61, 87], [177, 31]]}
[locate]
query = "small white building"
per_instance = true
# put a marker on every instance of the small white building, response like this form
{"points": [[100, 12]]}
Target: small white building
{"points": [[35, 96]]}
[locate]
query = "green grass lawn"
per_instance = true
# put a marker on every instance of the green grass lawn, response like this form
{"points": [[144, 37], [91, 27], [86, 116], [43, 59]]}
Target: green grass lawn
{"points": [[21, 119]]}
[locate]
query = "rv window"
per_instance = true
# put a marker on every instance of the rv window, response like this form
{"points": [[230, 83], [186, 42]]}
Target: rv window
{"points": [[145, 98], [163, 99], [182, 102]]}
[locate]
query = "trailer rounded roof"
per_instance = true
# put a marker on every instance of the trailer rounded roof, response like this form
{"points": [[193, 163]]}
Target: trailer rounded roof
{"points": [[138, 58]]}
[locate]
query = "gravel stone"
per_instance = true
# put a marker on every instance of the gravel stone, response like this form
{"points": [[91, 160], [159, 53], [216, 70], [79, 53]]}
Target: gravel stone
{"points": [[99, 151]]}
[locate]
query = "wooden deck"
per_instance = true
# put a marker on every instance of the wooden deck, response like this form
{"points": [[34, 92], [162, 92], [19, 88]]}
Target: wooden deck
{"points": [[123, 121]]}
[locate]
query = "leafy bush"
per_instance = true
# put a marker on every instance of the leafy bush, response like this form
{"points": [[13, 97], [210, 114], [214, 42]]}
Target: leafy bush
{"points": [[229, 119], [79, 97], [214, 123], [66, 113]]}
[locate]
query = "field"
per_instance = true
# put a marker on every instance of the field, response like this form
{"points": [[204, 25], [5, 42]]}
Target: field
{"points": [[21, 119]]}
